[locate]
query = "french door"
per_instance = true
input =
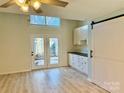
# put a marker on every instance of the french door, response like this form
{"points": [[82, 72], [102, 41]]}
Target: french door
{"points": [[45, 51]]}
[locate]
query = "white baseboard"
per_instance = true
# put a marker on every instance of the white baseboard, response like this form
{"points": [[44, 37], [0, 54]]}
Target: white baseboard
{"points": [[13, 72], [90, 80], [27, 70]]}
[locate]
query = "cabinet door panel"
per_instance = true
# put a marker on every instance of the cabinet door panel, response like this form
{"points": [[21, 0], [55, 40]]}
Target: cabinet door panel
{"points": [[85, 70], [70, 59], [77, 37], [74, 60]]}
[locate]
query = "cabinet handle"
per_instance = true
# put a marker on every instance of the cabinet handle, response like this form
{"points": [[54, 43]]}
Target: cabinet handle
{"points": [[91, 53]]}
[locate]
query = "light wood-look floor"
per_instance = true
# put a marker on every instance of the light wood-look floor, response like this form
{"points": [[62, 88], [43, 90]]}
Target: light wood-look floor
{"points": [[59, 80]]}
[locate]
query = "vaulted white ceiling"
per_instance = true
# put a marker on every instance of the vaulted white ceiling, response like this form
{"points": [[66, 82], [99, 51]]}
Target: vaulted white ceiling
{"points": [[77, 9]]}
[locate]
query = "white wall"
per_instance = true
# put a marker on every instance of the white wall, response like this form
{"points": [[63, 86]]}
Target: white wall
{"points": [[15, 47]]}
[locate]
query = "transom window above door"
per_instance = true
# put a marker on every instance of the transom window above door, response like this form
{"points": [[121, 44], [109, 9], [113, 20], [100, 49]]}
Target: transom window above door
{"points": [[45, 20]]}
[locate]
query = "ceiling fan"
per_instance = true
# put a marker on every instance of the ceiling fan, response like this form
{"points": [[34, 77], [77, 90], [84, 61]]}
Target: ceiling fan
{"points": [[34, 4]]}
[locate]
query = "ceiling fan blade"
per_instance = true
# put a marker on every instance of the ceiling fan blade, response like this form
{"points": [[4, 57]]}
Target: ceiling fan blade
{"points": [[55, 2], [37, 10], [7, 4]]}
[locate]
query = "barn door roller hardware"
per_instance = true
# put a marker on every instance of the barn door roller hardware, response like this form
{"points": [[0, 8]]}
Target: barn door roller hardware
{"points": [[111, 18]]}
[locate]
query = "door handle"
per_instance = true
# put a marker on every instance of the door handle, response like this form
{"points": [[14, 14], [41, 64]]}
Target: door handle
{"points": [[32, 53], [91, 53]]}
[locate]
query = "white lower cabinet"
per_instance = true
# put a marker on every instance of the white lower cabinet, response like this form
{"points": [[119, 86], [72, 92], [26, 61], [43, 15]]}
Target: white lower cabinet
{"points": [[79, 62], [85, 69]]}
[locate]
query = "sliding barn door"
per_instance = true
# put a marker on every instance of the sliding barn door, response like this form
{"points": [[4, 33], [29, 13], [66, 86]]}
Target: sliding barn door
{"points": [[108, 51]]}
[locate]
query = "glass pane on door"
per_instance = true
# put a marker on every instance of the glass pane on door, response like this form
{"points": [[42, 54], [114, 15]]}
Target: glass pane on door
{"points": [[38, 49], [53, 45]]}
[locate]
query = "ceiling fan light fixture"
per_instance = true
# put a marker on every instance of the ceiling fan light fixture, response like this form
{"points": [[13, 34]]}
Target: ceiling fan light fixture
{"points": [[21, 1], [36, 5], [25, 8]]}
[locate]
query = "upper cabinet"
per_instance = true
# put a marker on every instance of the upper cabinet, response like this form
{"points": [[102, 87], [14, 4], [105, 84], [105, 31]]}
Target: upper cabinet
{"points": [[80, 34]]}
